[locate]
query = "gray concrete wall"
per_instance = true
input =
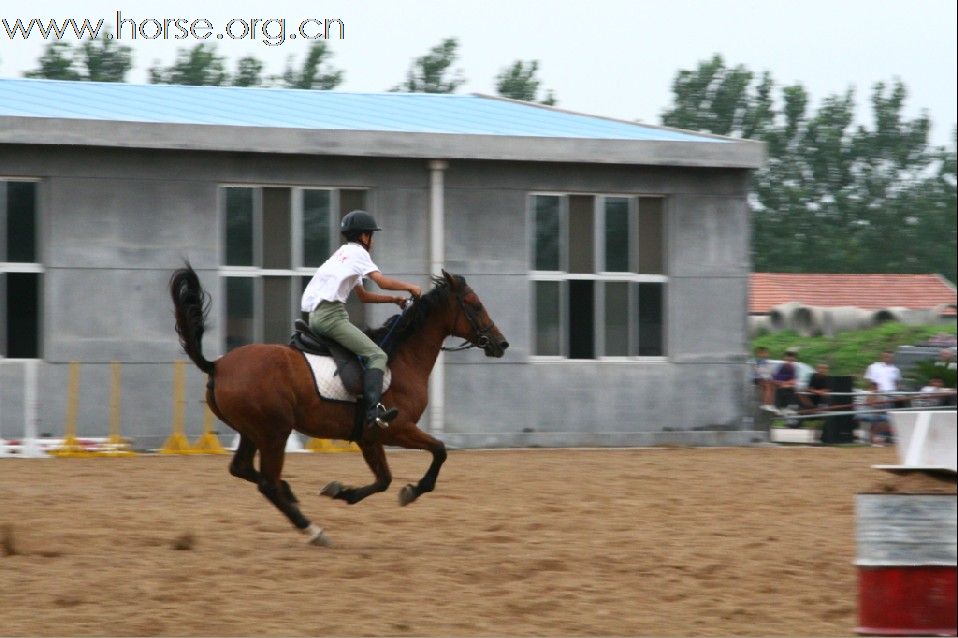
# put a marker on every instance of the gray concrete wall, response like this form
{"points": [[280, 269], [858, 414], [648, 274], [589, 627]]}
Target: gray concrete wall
{"points": [[695, 396], [116, 222]]}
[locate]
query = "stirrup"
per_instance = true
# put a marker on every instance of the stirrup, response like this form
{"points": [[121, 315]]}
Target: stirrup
{"points": [[383, 416]]}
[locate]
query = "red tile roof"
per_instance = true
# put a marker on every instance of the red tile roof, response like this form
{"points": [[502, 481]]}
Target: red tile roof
{"points": [[871, 292]]}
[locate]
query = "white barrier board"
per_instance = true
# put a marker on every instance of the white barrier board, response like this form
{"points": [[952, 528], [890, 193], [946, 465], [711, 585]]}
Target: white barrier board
{"points": [[925, 440]]}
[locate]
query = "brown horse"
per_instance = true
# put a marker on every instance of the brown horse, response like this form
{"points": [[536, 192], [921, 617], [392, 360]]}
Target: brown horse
{"points": [[264, 392]]}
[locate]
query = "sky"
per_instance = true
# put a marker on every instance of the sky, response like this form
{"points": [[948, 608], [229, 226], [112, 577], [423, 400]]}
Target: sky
{"points": [[615, 58]]}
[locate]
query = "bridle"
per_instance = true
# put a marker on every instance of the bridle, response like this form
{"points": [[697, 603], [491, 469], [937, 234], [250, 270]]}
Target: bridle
{"points": [[481, 334]]}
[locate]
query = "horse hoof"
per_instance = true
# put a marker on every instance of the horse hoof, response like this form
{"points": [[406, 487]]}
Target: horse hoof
{"points": [[332, 489], [407, 495], [322, 540], [317, 536]]}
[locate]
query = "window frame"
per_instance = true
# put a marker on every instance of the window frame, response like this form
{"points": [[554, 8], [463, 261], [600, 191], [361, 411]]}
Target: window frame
{"points": [[26, 267], [598, 275], [297, 268]]}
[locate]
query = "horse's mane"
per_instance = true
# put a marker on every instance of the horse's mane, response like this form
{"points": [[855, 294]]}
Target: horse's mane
{"points": [[398, 328]]}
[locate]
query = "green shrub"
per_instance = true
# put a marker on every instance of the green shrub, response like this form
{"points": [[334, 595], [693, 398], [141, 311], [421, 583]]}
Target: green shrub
{"points": [[923, 371], [849, 353]]}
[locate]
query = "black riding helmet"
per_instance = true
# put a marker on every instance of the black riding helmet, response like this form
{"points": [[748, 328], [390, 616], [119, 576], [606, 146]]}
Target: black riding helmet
{"points": [[356, 222]]}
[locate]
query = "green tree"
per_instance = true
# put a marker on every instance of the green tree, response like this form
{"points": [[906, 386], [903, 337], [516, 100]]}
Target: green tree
{"points": [[249, 72], [100, 60], [199, 66], [519, 82], [927, 207], [105, 60], [430, 73], [312, 75], [833, 197], [56, 63], [718, 99]]}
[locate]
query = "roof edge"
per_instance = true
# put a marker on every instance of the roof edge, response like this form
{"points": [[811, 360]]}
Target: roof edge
{"points": [[200, 137], [617, 120], [945, 281]]}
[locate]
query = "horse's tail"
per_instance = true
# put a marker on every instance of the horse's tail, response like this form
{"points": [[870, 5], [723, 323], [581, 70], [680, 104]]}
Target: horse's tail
{"points": [[191, 304]]}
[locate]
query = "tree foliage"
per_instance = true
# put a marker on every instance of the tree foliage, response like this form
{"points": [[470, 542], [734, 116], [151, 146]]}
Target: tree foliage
{"points": [[519, 82], [313, 75], [202, 66], [56, 63], [833, 197], [432, 72], [249, 72], [100, 60], [198, 66], [105, 60]]}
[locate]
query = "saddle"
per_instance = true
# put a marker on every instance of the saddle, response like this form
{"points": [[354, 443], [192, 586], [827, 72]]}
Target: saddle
{"points": [[349, 368]]}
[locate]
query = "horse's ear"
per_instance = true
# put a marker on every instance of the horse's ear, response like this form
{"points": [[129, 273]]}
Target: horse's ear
{"points": [[450, 279]]}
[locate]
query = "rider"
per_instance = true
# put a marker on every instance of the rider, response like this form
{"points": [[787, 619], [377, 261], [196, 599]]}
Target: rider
{"points": [[325, 298]]}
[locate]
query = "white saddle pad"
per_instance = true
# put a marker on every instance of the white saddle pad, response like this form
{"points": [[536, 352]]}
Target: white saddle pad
{"points": [[328, 383]]}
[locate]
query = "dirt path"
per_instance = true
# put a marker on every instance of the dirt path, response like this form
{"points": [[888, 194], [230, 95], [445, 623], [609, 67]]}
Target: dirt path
{"points": [[522, 543]]}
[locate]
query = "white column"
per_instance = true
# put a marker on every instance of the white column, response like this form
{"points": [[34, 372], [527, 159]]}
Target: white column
{"points": [[3, 444], [437, 257], [29, 448]]}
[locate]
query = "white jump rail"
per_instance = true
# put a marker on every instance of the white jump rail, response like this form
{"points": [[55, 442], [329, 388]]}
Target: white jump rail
{"points": [[293, 444], [28, 446], [925, 440]]}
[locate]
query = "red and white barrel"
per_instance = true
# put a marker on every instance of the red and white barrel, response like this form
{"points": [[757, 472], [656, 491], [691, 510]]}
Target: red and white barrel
{"points": [[906, 564]]}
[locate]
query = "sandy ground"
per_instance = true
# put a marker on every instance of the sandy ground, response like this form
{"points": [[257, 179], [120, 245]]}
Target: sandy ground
{"points": [[676, 542]]}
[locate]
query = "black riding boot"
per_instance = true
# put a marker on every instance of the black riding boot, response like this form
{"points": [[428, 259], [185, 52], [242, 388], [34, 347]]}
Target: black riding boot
{"points": [[376, 413]]}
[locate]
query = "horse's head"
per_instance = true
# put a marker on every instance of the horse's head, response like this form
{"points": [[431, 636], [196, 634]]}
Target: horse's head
{"points": [[471, 321]]}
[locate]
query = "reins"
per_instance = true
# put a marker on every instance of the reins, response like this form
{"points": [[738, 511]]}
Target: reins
{"points": [[482, 340], [465, 345]]}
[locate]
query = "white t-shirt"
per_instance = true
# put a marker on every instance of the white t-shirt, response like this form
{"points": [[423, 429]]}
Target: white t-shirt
{"points": [[342, 272], [929, 402], [885, 375]]}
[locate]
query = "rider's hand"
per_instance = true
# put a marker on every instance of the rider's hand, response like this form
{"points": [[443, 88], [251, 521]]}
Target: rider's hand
{"points": [[415, 291], [402, 302]]}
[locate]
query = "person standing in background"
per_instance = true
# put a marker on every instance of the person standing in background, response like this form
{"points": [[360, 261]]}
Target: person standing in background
{"points": [[884, 373]]}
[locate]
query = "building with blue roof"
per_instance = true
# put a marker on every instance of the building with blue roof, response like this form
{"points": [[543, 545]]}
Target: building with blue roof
{"points": [[614, 255]]}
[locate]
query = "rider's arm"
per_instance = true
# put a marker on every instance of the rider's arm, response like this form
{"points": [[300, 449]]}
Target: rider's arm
{"points": [[374, 297], [388, 283]]}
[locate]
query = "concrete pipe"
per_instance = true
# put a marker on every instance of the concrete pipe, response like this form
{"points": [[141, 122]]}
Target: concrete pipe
{"points": [[845, 319], [894, 313], [944, 312], [758, 325], [780, 317], [918, 317], [809, 321]]}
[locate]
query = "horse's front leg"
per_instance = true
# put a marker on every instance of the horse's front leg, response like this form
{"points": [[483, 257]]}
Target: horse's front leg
{"points": [[375, 457], [411, 437]]}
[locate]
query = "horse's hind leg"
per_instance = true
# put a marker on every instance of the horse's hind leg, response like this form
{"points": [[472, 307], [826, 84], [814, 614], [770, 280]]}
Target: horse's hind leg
{"points": [[376, 460], [242, 466], [412, 437], [278, 493], [242, 463]]}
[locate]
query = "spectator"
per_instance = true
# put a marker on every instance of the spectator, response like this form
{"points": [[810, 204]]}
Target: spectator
{"points": [[871, 406], [884, 373], [784, 380], [933, 395], [819, 388], [946, 359], [762, 377]]}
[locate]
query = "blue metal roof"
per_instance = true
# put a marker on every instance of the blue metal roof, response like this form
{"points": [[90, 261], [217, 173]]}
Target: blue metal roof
{"points": [[320, 110]]}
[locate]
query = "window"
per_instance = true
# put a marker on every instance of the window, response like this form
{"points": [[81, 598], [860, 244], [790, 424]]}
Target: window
{"points": [[598, 276], [274, 238], [20, 270]]}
